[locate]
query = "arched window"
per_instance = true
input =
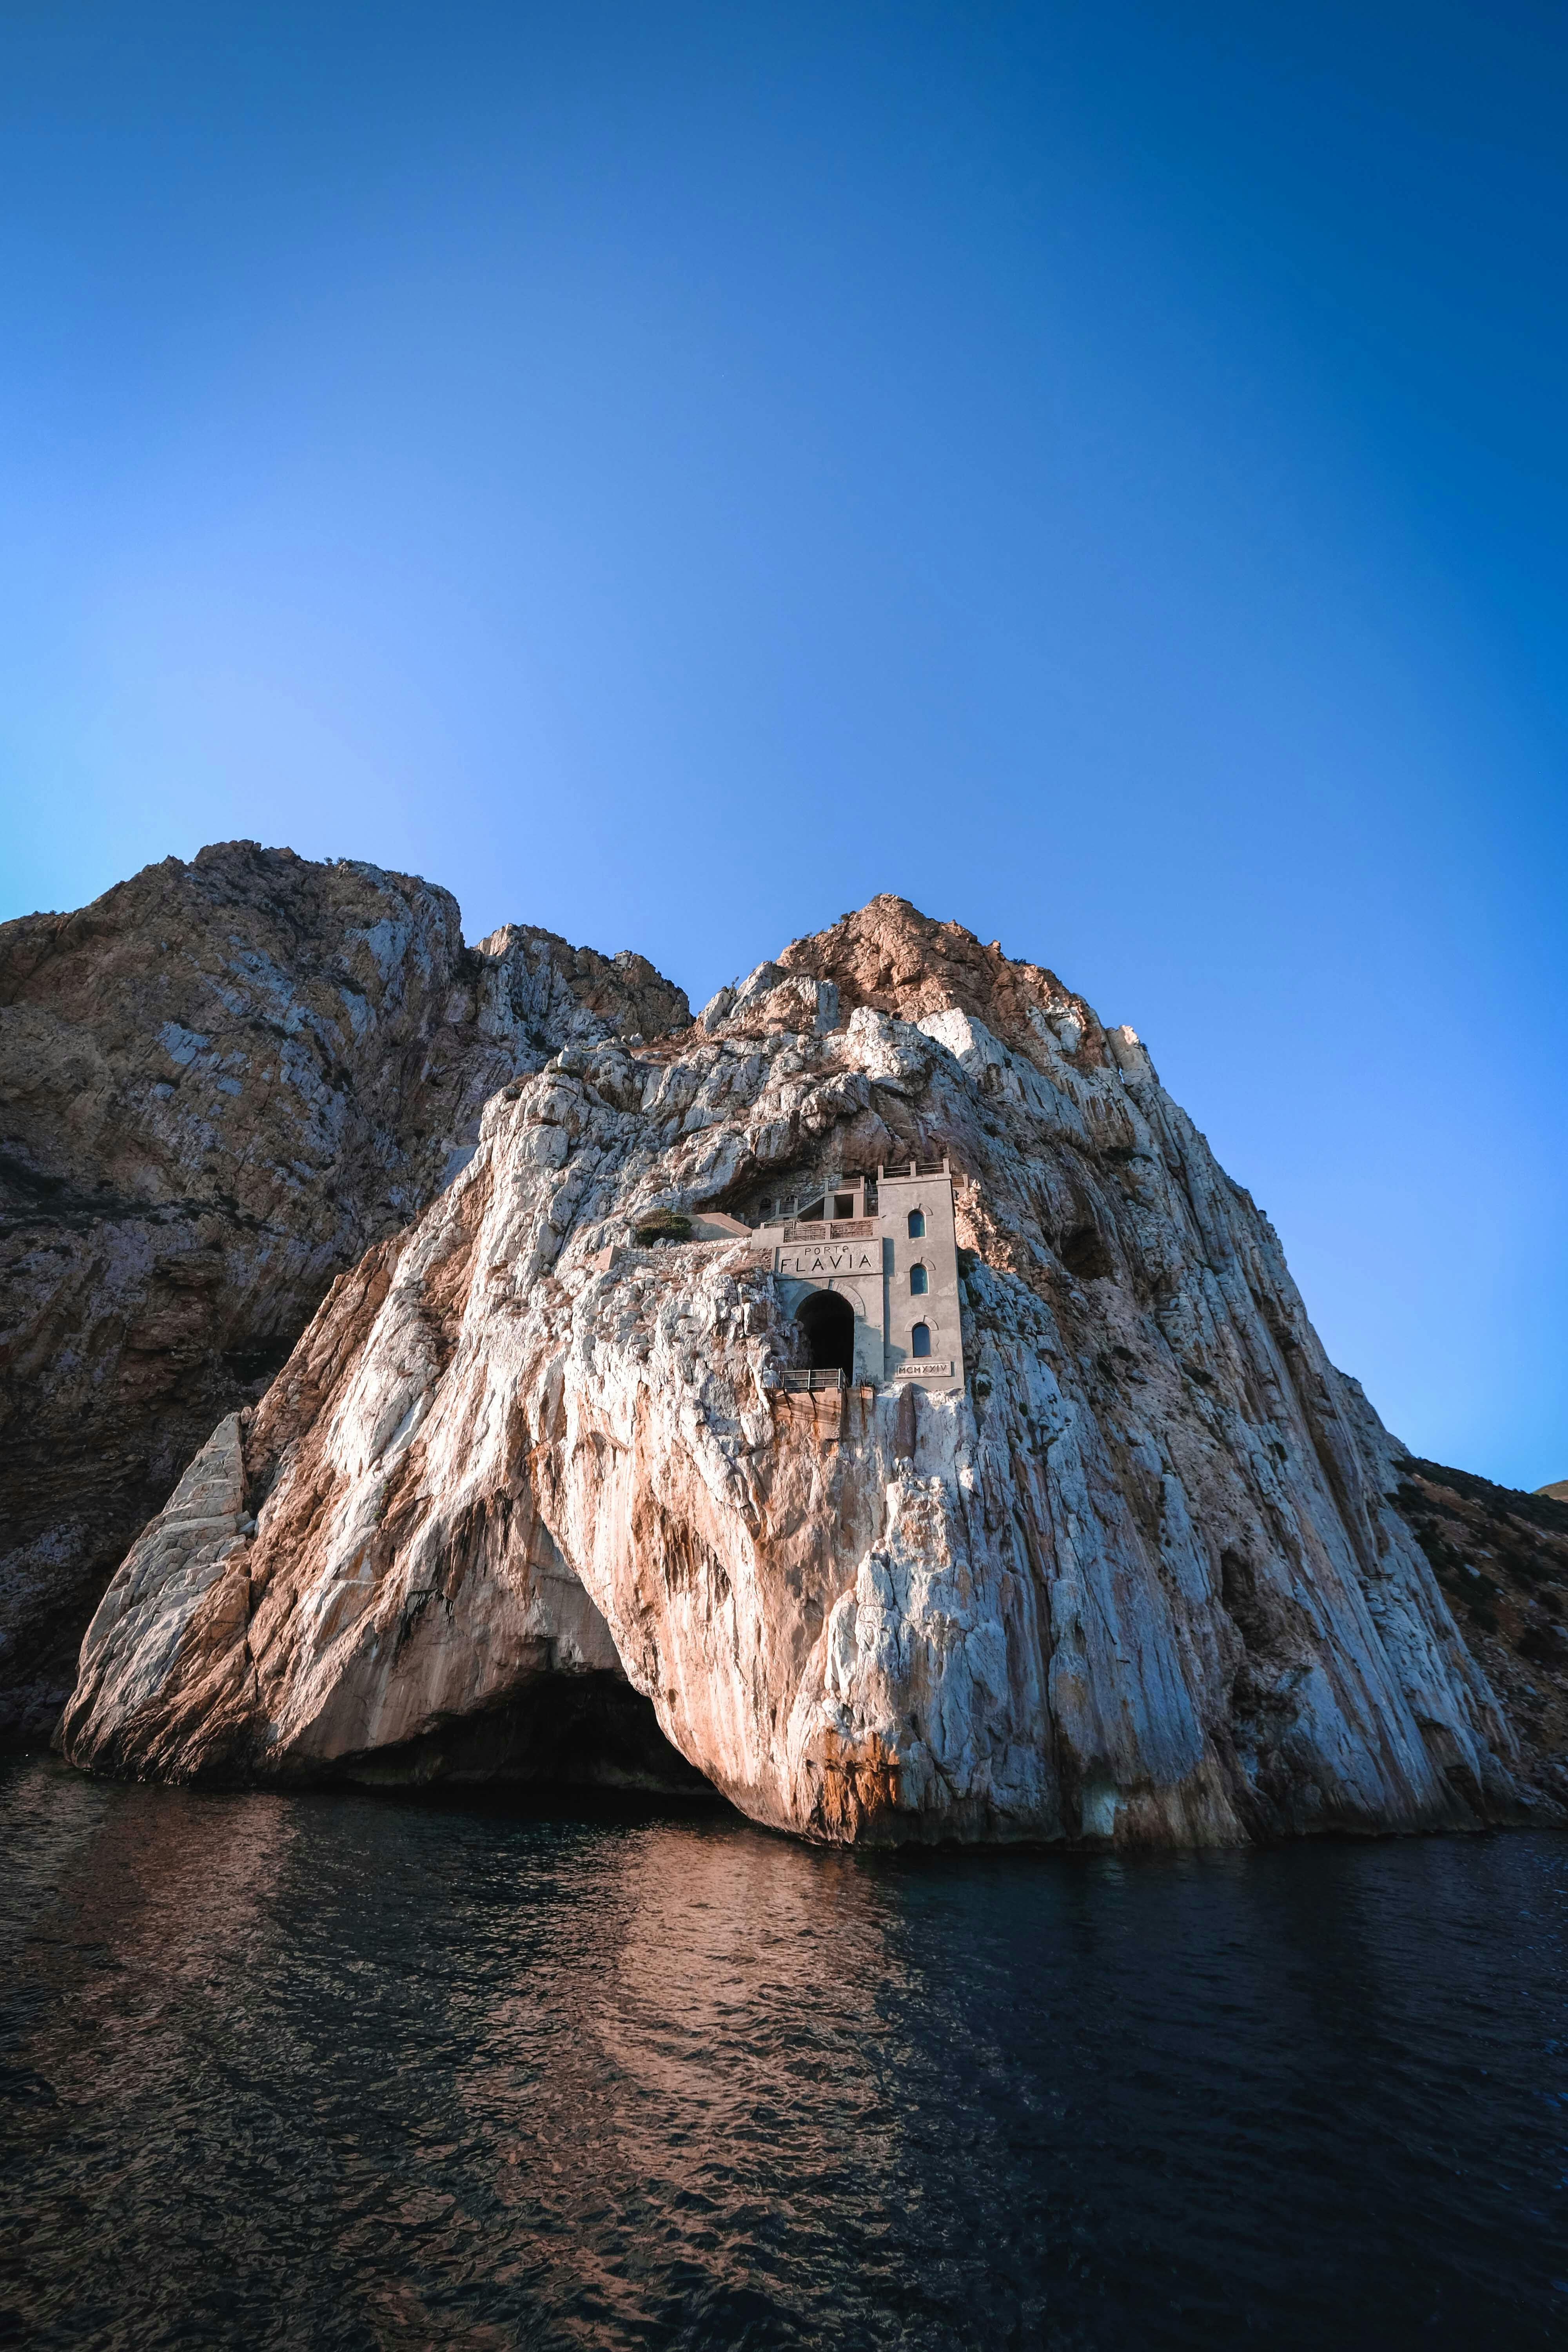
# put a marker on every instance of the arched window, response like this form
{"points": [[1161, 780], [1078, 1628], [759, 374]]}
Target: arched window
{"points": [[917, 1224], [918, 1284], [920, 1339]]}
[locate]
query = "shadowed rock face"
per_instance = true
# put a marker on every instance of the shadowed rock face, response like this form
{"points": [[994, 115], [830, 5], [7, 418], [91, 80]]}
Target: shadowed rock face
{"points": [[1501, 1559], [219, 1084], [1145, 1581]]}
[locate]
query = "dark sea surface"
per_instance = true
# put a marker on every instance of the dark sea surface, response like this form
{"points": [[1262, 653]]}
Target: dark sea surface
{"points": [[344, 2070]]}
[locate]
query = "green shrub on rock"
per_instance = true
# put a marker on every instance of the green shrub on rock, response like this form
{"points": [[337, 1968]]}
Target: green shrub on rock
{"points": [[662, 1226]]}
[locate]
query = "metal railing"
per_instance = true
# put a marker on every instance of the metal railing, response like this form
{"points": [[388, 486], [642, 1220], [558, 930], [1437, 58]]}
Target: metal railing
{"points": [[816, 1384]]}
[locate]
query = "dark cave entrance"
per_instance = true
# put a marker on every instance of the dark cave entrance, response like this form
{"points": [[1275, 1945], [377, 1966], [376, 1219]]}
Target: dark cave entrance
{"points": [[828, 1322], [556, 1730]]}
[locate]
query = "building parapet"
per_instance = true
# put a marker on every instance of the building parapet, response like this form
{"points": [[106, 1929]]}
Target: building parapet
{"points": [[837, 1229]]}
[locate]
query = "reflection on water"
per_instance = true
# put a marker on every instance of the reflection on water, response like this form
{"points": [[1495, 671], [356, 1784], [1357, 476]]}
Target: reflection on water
{"points": [[340, 2070]]}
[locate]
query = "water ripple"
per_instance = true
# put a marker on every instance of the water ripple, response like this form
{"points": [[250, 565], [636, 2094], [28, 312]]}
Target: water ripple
{"points": [[336, 2071]]}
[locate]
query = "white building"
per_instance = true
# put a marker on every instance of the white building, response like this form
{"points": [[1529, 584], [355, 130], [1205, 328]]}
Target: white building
{"points": [[871, 1273]]}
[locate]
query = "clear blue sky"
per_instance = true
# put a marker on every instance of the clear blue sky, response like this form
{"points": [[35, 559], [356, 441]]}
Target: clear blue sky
{"points": [[667, 472]]}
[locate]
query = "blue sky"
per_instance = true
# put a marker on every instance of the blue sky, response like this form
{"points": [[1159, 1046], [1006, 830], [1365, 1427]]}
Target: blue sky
{"points": [[669, 472]]}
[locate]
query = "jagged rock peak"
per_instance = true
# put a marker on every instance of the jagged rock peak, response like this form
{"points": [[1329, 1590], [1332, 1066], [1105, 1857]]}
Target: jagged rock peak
{"points": [[625, 990], [890, 956]]}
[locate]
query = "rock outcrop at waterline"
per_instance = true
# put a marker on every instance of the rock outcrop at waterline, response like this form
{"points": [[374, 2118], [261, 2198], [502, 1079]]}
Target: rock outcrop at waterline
{"points": [[219, 1084], [1146, 1579], [1502, 1559]]}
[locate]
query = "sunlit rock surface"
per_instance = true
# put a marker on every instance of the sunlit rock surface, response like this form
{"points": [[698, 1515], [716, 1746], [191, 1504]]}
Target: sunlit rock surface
{"points": [[1143, 1582], [219, 1084]]}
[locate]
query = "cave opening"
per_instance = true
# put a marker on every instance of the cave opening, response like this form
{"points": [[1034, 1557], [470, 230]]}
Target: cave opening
{"points": [[827, 1320], [559, 1729]]}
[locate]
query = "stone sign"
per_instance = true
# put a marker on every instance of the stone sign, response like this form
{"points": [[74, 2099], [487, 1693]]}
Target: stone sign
{"points": [[819, 1261]]}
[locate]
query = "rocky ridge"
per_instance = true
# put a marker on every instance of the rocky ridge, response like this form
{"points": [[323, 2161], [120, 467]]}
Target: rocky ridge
{"points": [[220, 1084], [1148, 1580], [1502, 1559]]}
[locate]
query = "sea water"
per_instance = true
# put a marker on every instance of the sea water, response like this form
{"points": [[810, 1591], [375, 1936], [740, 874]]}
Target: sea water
{"points": [[343, 2070]]}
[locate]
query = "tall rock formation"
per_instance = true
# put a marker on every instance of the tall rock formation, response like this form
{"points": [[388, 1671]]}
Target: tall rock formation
{"points": [[1145, 1579], [219, 1084]]}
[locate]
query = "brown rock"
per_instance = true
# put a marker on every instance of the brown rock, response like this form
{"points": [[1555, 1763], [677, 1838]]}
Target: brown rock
{"points": [[220, 1084], [890, 956], [1501, 1559]]}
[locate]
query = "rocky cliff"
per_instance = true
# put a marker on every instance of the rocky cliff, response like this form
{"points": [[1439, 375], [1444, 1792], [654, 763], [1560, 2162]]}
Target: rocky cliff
{"points": [[1148, 1579], [1501, 1559], [220, 1084]]}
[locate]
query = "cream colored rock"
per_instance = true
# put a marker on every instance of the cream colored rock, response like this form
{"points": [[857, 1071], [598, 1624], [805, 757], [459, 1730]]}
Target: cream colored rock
{"points": [[1142, 1582]]}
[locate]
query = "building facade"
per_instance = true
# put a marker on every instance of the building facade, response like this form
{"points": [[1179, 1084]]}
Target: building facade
{"points": [[873, 1279]]}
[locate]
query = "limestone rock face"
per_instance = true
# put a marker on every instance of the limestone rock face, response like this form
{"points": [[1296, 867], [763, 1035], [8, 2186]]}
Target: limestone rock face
{"points": [[1143, 1581], [219, 1084]]}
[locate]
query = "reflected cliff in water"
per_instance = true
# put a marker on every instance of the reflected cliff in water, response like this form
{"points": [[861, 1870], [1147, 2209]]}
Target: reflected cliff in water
{"points": [[349, 2071]]}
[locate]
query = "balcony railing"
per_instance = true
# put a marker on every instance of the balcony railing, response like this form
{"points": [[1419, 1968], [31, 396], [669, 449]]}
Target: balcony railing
{"points": [[816, 1384], [837, 1229]]}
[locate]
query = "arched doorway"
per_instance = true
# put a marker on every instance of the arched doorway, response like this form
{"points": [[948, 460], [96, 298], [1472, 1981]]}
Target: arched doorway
{"points": [[828, 1322]]}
